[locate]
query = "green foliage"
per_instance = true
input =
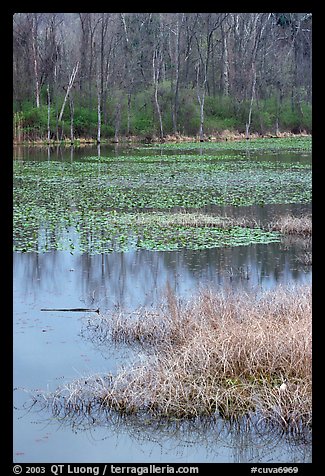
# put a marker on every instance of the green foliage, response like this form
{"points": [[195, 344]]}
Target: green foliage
{"points": [[220, 113], [307, 115], [142, 122], [35, 117], [188, 115], [220, 107], [85, 122]]}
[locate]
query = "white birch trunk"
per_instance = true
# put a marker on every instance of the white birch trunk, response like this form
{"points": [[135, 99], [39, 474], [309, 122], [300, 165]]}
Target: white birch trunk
{"points": [[201, 100], [156, 71], [128, 115], [71, 81], [248, 124], [35, 61], [159, 112], [225, 66], [48, 113], [71, 120], [117, 120], [99, 116]]}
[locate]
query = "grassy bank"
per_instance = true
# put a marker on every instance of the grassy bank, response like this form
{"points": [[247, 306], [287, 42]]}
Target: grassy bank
{"points": [[220, 354], [223, 136]]}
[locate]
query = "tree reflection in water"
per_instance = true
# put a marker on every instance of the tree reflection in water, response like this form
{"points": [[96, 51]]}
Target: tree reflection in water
{"points": [[137, 278]]}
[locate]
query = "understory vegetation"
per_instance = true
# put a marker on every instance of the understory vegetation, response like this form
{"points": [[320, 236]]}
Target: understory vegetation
{"points": [[220, 353], [224, 117]]}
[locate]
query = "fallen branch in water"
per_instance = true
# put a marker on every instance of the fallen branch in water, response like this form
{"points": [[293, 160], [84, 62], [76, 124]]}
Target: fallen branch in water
{"points": [[74, 309]]}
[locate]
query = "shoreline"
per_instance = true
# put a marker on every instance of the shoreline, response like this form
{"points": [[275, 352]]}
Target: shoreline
{"points": [[223, 136]]}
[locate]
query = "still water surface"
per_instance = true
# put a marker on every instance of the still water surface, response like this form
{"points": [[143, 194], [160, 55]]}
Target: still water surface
{"points": [[53, 348]]}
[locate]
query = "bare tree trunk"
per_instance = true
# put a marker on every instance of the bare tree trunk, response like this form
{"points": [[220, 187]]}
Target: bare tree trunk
{"points": [[156, 65], [48, 113], [161, 130], [129, 79], [117, 120], [71, 119], [71, 81], [278, 112], [225, 64], [201, 100], [257, 38], [56, 103], [62, 130], [177, 68], [35, 60], [204, 58], [201, 103], [99, 115], [103, 33], [248, 124], [17, 126], [128, 115]]}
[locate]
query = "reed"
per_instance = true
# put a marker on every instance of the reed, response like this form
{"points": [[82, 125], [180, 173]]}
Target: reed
{"points": [[291, 225], [221, 353]]}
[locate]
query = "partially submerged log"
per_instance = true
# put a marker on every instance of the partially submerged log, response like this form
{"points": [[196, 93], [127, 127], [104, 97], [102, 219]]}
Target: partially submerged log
{"points": [[74, 309]]}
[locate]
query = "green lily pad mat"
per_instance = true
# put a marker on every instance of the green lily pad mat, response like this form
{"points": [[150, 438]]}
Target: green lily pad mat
{"points": [[104, 204]]}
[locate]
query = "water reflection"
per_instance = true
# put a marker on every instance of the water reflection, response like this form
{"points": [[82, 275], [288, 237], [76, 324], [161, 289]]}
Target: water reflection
{"points": [[70, 153], [51, 347], [198, 440], [128, 280]]}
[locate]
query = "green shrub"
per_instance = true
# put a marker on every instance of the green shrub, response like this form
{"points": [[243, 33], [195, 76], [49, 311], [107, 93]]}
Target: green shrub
{"points": [[35, 117], [142, 125], [220, 113]]}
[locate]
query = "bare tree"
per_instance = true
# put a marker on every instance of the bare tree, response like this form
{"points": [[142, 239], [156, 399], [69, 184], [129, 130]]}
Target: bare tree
{"points": [[71, 118], [71, 81], [127, 60], [35, 20], [225, 61], [175, 33], [156, 70], [203, 44], [258, 27], [48, 113]]}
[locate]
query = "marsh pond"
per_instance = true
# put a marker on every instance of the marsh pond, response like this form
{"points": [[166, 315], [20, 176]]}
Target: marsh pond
{"points": [[135, 232]]}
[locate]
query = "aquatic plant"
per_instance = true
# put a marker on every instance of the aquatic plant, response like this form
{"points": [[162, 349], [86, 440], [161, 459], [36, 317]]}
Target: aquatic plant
{"points": [[292, 143], [293, 225], [111, 231], [221, 354], [58, 205]]}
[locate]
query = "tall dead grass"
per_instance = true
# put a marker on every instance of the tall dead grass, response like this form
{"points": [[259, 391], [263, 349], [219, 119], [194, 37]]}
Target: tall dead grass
{"points": [[220, 353], [292, 225], [296, 230]]}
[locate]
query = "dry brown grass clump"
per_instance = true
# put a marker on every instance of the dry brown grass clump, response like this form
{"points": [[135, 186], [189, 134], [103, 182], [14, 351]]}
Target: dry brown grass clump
{"points": [[291, 225], [219, 353]]}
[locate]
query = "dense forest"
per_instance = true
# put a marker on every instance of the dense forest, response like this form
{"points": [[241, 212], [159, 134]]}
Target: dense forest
{"points": [[105, 76]]}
